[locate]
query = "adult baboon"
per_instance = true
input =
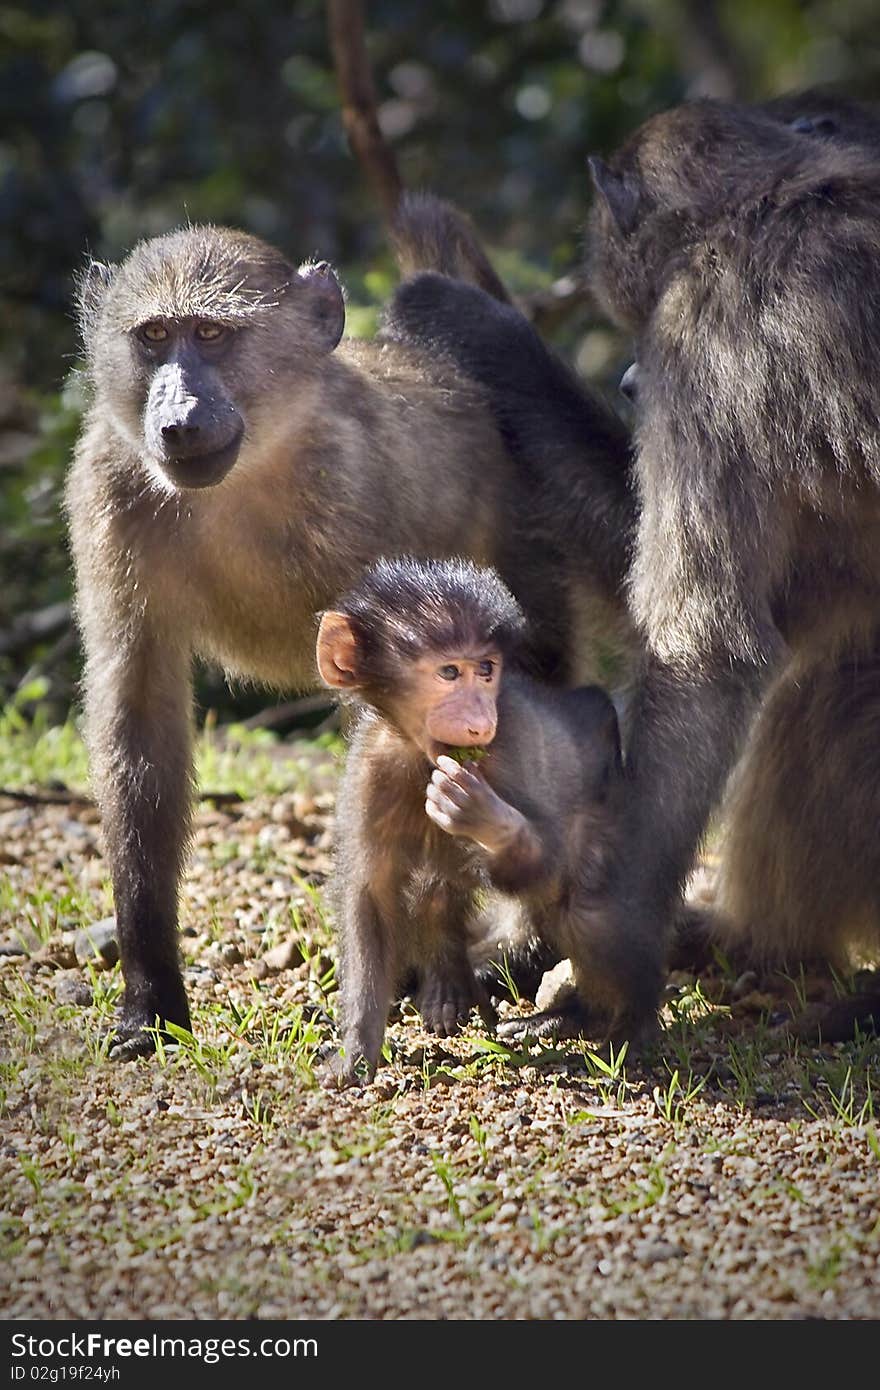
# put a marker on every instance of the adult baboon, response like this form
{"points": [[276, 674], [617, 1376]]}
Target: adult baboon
{"points": [[238, 467], [800, 869], [743, 256]]}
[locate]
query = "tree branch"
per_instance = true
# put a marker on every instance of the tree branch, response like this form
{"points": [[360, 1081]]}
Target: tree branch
{"points": [[345, 19]]}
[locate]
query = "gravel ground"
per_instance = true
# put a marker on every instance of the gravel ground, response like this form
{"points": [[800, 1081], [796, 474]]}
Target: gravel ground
{"points": [[220, 1181]]}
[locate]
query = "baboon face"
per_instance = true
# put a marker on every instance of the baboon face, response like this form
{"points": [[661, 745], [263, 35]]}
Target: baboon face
{"points": [[195, 331]]}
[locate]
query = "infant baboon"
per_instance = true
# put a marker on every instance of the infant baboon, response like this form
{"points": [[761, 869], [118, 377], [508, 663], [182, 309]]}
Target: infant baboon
{"points": [[463, 774]]}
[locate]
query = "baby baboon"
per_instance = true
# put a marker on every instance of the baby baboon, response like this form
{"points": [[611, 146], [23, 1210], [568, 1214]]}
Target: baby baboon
{"points": [[524, 777], [238, 466]]}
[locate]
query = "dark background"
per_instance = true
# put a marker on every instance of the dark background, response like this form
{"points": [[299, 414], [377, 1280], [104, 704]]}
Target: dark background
{"points": [[121, 120]]}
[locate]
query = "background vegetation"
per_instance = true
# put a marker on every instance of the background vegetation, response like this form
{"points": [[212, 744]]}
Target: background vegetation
{"points": [[122, 120]]}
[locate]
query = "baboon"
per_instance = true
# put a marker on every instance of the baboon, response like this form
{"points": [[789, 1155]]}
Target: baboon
{"points": [[742, 255], [238, 466], [464, 774], [800, 865], [816, 111]]}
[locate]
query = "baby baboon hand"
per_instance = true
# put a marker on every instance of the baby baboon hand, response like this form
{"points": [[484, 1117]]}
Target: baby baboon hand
{"points": [[461, 802]]}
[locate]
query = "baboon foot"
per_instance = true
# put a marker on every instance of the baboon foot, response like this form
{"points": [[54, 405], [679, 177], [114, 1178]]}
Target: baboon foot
{"points": [[142, 1019], [445, 1002]]}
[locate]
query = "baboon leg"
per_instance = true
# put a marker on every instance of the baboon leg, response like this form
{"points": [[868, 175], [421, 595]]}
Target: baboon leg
{"points": [[800, 877], [368, 969], [447, 987], [138, 715]]}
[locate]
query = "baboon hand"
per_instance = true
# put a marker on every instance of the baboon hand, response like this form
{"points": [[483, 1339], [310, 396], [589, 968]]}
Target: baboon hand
{"points": [[461, 802]]}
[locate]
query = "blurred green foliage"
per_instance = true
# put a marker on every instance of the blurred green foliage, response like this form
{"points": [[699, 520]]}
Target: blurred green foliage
{"points": [[119, 121]]}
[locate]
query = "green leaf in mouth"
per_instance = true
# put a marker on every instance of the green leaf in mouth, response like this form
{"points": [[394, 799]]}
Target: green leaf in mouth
{"points": [[466, 755]]}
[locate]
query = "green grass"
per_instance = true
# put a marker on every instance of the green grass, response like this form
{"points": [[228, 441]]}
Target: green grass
{"points": [[249, 762], [251, 1066]]}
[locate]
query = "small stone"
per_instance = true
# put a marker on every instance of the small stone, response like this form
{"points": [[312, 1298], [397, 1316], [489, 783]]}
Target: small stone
{"points": [[259, 970], [231, 955], [98, 944], [654, 1251], [23, 941], [283, 957], [556, 988], [71, 988]]}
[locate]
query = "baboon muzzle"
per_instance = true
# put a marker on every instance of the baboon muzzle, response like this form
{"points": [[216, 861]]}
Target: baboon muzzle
{"points": [[194, 431]]}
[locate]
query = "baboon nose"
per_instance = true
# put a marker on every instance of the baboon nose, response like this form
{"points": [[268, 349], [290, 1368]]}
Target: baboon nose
{"points": [[180, 436], [482, 733]]}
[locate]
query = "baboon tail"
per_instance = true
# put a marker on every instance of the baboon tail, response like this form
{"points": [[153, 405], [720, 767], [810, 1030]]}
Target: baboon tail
{"points": [[429, 234]]}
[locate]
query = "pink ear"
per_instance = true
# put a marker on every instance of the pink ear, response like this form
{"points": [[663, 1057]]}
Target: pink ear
{"points": [[337, 652], [619, 193], [323, 299]]}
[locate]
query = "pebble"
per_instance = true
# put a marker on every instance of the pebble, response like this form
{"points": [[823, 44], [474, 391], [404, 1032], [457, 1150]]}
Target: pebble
{"points": [[98, 944], [70, 988], [284, 956]]}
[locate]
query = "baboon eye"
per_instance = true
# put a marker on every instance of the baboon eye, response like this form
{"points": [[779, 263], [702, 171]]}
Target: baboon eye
{"points": [[449, 673], [154, 332], [209, 331], [486, 668]]}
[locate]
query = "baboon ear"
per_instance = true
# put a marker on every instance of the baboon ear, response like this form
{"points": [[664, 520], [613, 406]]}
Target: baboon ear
{"points": [[337, 652], [619, 192], [92, 287], [323, 300]]}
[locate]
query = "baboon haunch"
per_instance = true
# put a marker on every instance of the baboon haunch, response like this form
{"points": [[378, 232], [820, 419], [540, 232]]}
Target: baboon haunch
{"points": [[238, 466], [428, 653]]}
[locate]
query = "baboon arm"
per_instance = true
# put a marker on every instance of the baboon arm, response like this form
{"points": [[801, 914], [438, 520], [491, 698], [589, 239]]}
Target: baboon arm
{"points": [[687, 731], [701, 587], [138, 721], [525, 861]]}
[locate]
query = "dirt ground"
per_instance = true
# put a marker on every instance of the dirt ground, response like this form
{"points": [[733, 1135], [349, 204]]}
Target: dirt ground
{"points": [[736, 1175]]}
